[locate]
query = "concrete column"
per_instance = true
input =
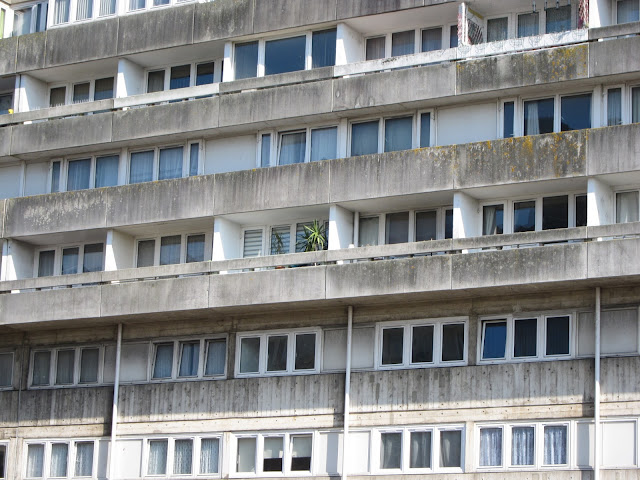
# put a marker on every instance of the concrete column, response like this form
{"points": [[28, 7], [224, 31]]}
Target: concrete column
{"points": [[349, 45], [340, 228], [119, 251], [600, 203], [130, 80], [600, 13], [17, 260], [227, 236], [343, 138], [122, 166], [4, 245], [32, 94], [467, 221], [227, 72]]}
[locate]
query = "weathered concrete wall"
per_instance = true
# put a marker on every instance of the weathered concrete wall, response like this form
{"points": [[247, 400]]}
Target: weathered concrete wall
{"points": [[613, 149]]}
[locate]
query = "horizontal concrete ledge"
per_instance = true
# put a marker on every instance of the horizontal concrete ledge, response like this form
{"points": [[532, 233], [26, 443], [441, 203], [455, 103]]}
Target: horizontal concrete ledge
{"points": [[612, 31]]}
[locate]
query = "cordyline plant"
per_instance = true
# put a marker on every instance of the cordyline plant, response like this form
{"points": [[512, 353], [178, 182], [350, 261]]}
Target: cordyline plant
{"points": [[313, 239]]}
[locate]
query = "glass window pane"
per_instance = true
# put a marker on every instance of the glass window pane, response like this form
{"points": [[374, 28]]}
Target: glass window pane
{"points": [[368, 231], [492, 219], [301, 446], [265, 150], [558, 19], [155, 81], [183, 457], [627, 11], [432, 39], [89, 360], [35, 461], [292, 148], [41, 368], [453, 342], [375, 48], [246, 461], [581, 210], [558, 335], [422, 344], [426, 226], [189, 359], [635, 105], [136, 4], [451, 449], [273, 454], [252, 246], [163, 363], [81, 92], [194, 156], [509, 116], [146, 252], [157, 457], [305, 355], [522, 445], [614, 107], [576, 112], [216, 357], [494, 340], [538, 116], [84, 459], [425, 130], [55, 177], [209, 454], [246, 60], [528, 24], [195, 248], [392, 346], [249, 355], [107, 171], [420, 450], [170, 250], [141, 167], [555, 445], [525, 338], [78, 173], [180, 77], [524, 216], [6, 372], [497, 29], [22, 22], [59, 457], [323, 48], [398, 134], [555, 212], [490, 447], [397, 228], [170, 163], [70, 257], [453, 36], [403, 43], [448, 223], [57, 96], [324, 144], [626, 207], [284, 55], [364, 138], [280, 240], [277, 353], [92, 261], [390, 450], [45, 263], [204, 73], [103, 89]]}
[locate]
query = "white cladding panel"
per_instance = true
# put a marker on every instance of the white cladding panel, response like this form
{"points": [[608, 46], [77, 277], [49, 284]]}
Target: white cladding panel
{"points": [[474, 123], [36, 177], [230, 154], [10, 179]]}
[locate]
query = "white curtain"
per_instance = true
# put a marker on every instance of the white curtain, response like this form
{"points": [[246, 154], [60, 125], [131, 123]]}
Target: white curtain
{"points": [[157, 457], [64, 367], [292, 148], [141, 167], [216, 355], [195, 248], [41, 368], [375, 48], [402, 43], [189, 360], [70, 260], [626, 207], [78, 174], [89, 365], [497, 29], [35, 461], [59, 455], [522, 445], [432, 39], [45, 263], [558, 19], [492, 220], [420, 450], [170, 250], [209, 453], [85, 9], [246, 461], [528, 24], [450, 448], [146, 252], [61, 12], [84, 459], [555, 445], [398, 134], [635, 105], [532, 119], [364, 138], [107, 7], [164, 360], [136, 4], [183, 457], [390, 450], [490, 447], [614, 107], [170, 163], [627, 11], [194, 154], [368, 232], [324, 144], [249, 355], [107, 171]]}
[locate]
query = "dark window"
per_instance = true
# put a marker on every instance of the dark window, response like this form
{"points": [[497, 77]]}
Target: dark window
{"points": [[497, 29], [45, 263], [78, 173], [57, 96], [155, 81], [70, 260], [92, 260], [390, 450], [375, 48], [528, 24], [392, 346], [107, 171], [204, 73], [558, 335], [451, 449], [581, 210], [180, 77], [448, 223], [432, 39], [246, 60], [453, 342], [398, 134], [323, 48], [284, 55], [425, 130], [146, 253], [525, 337], [555, 212], [265, 152], [420, 450], [277, 353], [2, 460], [55, 177], [195, 248], [364, 138], [494, 340], [509, 117], [614, 107], [453, 36], [81, 92], [403, 43], [305, 357], [538, 116], [422, 344], [558, 19], [426, 226], [524, 216], [492, 219], [576, 112], [397, 228], [170, 250], [104, 89]]}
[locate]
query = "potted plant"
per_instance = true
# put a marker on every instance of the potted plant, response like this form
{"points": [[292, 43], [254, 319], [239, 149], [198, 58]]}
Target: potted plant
{"points": [[314, 238]]}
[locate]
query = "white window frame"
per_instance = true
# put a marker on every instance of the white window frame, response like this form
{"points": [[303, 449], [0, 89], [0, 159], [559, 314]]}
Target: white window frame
{"points": [[614, 11], [418, 128], [68, 100], [175, 368], [208, 243], [71, 456], [516, 115], [616, 191], [64, 169], [273, 149], [33, 28], [13, 360], [625, 103], [276, 143], [193, 70], [504, 459], [407, 326], [606, 355], [196, 453], [266, 235], [557, 109], [291, 339], [5, 445], [444, 38], [186, 159], [415, 129], [53, 359], [58, 253]]}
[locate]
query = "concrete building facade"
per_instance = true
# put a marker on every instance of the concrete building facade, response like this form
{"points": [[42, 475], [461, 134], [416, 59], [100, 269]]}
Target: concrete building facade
{"points": [[470, 310]]}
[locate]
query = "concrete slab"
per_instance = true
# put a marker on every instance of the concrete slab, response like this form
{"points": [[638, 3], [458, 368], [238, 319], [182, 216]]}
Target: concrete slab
{"points": [[82, 42], [31, 52], [222, 19], [8, 55], [613, 149], [280, 14]]}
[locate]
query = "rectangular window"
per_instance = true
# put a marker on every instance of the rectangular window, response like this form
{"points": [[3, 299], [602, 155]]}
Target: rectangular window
{"points": [[157, 464], [391, 450], [146, 253], [490, 447], [170, 163], [107, 171], [425, 130], [41, 368], [305, 354], [155, 81], [426, 225], [89, 364], [522, 446], [250, 355], [180, 77], [492, 219], [107, 7], [453, 342], [136, 4], [57, 96], [494, 340], [555, 445], [403, 43], [432, 39], [525, 338], [35, 461], [64, 367], [103, 89], [581, 210], [182, 457], [195, 248], [364, 138], [84, 459], [635, 105], [301, 446], [189, 360], [453, 36], [216, 358], [3, 449], [538, 116], [392, 346], [528, 24], [170, 250], [194, 154], [46, 260], [324, 144], [614, 107], [558, 19], [292, 148], [497, 29], [627, 11], [284, 55], [555, 212], [246, 457], [448, 223], [576, 112], [78, 173], [558, 335], [252, 243], [368, 231], [397, 228], [524, 216], [6, 101], [420, 450], [509, 119], [81, 91], [59, 457], [141, 167], [273, 454], [60, 11], [451, 449], [626, 207], [209, 455], [265, 150], [6, 372], [398, 134], [163, 361], [375, 48], [280, 240], [246, 60], [323, 48], [55, 177], [204, 73], [277, 353], [422, 344]]}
